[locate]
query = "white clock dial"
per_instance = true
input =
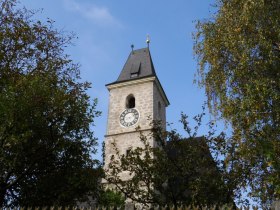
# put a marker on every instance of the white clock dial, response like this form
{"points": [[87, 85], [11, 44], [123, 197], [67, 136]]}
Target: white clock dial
{"points": [[129, 117]]}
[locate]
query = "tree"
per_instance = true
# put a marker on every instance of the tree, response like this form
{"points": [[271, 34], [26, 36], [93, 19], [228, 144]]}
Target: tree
{"points": [[178, 171], [110, 198], [238, 52], [46, 141]]}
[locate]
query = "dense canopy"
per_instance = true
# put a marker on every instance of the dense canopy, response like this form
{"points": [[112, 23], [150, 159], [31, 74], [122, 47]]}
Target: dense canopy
{"points": [[238, 52], [46, 141]]}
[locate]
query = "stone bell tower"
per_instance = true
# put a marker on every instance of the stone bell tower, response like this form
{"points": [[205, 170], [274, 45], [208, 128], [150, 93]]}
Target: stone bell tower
{"points": [[135, 99]]}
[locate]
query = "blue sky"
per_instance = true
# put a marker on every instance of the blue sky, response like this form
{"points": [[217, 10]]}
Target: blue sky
{"points": [[106, 29]]}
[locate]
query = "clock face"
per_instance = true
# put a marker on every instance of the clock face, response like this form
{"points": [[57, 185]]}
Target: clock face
{"points": [[129, 117]]}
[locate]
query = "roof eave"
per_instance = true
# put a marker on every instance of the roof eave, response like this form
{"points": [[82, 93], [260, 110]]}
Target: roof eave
{"points": [[144, 79]]}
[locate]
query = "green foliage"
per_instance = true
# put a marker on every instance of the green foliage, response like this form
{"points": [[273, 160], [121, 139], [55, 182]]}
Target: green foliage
{"points": [[182, 207], [177, 171], [110, 198], [46, 142], [238, 51]]}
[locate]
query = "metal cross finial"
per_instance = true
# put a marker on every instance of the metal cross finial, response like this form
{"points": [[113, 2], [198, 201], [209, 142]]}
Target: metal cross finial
{"points": [[148, 40]]}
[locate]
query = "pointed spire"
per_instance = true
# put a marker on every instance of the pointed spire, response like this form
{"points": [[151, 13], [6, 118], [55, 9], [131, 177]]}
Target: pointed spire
{"points": [[138, 65]]}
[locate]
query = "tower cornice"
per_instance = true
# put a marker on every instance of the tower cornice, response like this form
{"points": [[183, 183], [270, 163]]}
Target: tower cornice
{"points": [[140, 81], [130, 82]]}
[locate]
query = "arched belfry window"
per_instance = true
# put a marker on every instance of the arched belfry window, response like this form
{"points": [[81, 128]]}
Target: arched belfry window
{"points": [[130, 102]]}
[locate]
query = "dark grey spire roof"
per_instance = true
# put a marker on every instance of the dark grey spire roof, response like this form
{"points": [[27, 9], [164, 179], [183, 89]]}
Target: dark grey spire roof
{"points": [[139, 64]]}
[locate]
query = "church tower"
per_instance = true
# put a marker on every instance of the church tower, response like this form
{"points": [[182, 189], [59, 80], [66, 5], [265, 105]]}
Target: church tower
{"points": [[135, 99]]}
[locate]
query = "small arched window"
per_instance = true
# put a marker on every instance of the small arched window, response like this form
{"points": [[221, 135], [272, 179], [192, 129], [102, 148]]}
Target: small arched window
{"points": [[130, 102]]}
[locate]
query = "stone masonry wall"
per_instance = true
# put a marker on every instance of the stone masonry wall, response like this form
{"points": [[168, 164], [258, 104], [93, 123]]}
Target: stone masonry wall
{"points": [[143, 94], [159, 106], [147, 100]]}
